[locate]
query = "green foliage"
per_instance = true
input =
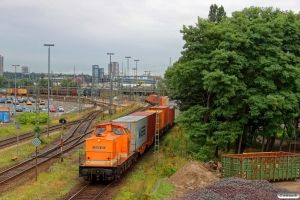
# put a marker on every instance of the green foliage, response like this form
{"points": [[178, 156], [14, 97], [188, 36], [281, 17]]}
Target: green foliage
{"points": [[204, 153], [25, 82], [44, 82], [30, 118], [37, 129], [68, 82], [3, 82], [216, 14], [237, 75], [168, 170]]}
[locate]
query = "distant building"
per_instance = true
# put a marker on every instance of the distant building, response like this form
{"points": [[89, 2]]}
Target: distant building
{"points": [[114, 69], [95, 73], [25, 71], [1, 65]]}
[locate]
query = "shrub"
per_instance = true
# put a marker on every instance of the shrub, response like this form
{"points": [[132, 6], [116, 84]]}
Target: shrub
{"points": [[204, 153], [168, 170], [30, 118]]}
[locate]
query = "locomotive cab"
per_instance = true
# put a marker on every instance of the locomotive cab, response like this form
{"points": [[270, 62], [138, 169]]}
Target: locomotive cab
{"points": [[108, 145], [107, 148]]}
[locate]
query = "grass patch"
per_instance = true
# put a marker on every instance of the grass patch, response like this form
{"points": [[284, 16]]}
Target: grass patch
{"points": [[118, 114], [10, 131], [149, 181], [25, 150], [53, 184], [57, 181]]}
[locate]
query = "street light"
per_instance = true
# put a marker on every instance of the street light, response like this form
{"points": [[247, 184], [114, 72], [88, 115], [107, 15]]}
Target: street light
{"points": [[127, 64], [136, 72], [136, 67], [110, 99], [48, 45], [15, 88]]}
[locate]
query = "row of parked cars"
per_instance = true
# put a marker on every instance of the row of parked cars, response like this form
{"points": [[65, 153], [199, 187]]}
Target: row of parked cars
{"points": [[40, 108], [27, 100]]}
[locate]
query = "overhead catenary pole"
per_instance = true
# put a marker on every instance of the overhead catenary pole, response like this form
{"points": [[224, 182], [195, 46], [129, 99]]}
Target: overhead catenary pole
{"points": [[111, 86], [48, 120], [136, 73], [15, 103], [127, 64]]}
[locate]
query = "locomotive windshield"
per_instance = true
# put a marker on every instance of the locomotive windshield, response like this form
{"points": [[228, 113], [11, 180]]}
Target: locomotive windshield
{"points": [[117, 131], [99, 131]]}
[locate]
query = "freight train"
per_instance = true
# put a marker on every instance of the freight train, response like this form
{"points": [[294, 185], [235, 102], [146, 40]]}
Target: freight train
{"points": [[28, 91], [113, 147]]}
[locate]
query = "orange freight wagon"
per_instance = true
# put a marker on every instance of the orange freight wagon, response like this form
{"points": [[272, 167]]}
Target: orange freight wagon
{"points": [[161, 118], [165, 110]]}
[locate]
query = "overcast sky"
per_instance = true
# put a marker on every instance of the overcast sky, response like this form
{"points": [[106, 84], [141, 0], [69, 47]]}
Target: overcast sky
{"points": [[84, 31]]}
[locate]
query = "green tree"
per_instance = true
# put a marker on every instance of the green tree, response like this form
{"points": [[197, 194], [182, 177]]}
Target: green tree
{"points": [[239, 74], [44, 82], [3, 82], [216, 14], [68, 83], [25, 82]]}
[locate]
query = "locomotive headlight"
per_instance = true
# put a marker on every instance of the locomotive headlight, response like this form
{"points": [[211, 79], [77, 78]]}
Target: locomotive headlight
{"points": [[107, 162], [98, 140], [88, 161]]}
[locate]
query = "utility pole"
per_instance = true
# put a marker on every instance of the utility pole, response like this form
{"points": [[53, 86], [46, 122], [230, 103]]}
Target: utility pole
{"points": [[111, 85]]}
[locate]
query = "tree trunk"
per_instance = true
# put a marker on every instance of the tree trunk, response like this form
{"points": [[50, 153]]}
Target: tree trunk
{"points": [[243, 147], [268, 144], [228, 147], [236, 149], [280, 145], [271, 144], [217, 151], [263, 144], [240, 143]]}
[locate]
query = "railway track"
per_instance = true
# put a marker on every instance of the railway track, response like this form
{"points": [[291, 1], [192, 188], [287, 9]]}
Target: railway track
{"points": [[24, 171], [7, 142], [13, 175], [91, 191], [95, 190]]}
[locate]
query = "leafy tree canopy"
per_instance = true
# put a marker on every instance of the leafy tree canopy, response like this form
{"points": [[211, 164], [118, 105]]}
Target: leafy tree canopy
{"points": [[240, 73]]}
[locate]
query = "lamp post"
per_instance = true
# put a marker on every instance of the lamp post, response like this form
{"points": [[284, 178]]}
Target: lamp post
{"points": [[15, 89], [110, 98], [127, 64], [48, 45], [136, 72]]}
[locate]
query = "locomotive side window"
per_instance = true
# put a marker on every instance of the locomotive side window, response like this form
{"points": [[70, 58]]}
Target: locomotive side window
{"points": [[126, 131], [99, 131], [117, 131]]}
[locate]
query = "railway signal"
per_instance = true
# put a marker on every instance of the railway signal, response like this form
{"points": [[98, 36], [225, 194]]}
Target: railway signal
{"points": [[62, 121]]}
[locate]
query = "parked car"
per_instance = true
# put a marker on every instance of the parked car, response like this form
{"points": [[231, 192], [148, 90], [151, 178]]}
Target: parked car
{"points": [[60, 109], [15, 102], [26, 109], [8, 100], [44, 109], [20, 100], [53, 109], [28, 102], [42, 102], [32, 99], [2, 100], [19, 108]]}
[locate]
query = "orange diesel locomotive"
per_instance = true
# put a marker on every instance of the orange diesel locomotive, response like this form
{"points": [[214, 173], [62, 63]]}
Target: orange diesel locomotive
{"points": [[114, 146]]}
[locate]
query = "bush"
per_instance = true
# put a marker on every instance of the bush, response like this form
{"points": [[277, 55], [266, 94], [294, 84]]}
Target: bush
{"points": [[204, 153], [30, 118], [168, 170]]}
